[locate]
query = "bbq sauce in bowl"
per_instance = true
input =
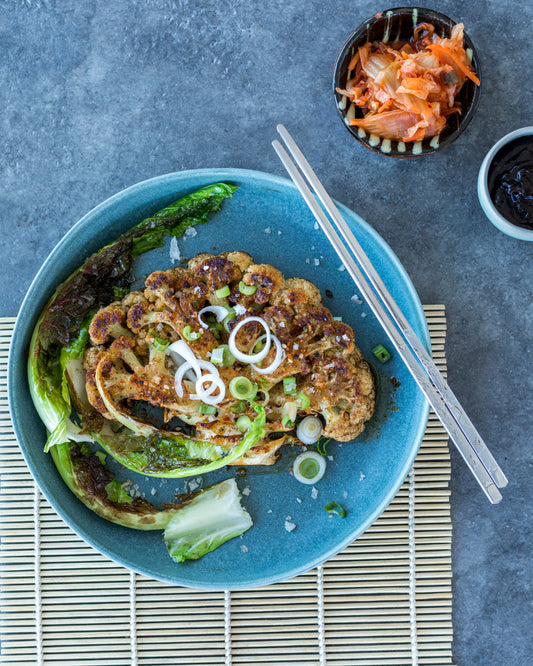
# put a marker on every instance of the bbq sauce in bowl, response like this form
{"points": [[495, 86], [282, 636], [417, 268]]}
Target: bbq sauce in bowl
{"points": [[510, 181]]}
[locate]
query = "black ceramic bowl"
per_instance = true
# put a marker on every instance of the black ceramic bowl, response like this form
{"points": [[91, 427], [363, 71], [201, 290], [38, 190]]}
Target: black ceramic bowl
{"points": [[396, 25]]}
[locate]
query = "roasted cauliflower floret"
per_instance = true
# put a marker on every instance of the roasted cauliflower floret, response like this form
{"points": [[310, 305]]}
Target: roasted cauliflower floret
{"points": [[298, 293], [108, 323]]}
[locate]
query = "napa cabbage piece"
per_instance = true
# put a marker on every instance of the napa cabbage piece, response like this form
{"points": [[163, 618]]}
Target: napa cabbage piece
{"points": [[213, 517]]}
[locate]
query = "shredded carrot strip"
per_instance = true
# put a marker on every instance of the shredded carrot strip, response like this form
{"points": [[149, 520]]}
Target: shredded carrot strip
{"points": [[441, 51]]}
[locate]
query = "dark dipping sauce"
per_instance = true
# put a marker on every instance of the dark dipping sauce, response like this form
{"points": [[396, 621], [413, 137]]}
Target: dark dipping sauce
{"points": [[510, 181]]}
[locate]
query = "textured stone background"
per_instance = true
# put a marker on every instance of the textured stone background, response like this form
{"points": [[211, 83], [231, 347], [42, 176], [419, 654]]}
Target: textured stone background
{"points": [[97, 95]]}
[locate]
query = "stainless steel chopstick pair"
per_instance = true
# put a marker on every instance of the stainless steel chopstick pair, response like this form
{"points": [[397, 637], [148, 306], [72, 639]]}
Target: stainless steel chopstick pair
{"points": [[439, 395]]}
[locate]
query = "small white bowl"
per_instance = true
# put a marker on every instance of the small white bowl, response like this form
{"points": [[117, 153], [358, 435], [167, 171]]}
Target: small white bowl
{"points": [[484, 195]]}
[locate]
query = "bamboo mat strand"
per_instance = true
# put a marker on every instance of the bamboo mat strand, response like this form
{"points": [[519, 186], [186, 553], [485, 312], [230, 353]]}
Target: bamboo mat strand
{"points": [[384, 601]]}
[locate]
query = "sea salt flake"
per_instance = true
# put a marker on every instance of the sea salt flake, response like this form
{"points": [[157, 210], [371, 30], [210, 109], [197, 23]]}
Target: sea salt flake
{"points": [[175, 254], [341, 268], [279, 233], [317, 226], [268, 230], [289, 526], [314, 493], [269, 511], [244, 548], [308, 261], [361, 476], [363, 314], [239, 309], [190, 232], [356, 299], [331, 458], [246, 491], [153, 491], [316, 262], [345, 495], [299, 500]]}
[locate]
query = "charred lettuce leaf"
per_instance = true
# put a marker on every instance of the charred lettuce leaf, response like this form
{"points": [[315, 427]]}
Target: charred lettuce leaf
{"points": [[173, 457], [60, 337]]}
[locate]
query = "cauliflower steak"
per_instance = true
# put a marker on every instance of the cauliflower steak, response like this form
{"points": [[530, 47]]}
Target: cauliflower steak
{"points": [[128, 362]]}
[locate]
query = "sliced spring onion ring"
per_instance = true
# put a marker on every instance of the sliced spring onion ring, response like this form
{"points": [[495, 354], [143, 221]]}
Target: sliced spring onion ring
{"points": [[159, 343], [335, 507], [289, 385], [207, 409], [309, 430], [265, 400], [244, 422], [238, 407], [249, 358], [381, 353], [189, 334], [290, 409], [309, 467], [219, 311], [242, 388], [304, 401], [287, 422], [222, 356], [278, 360], [247, 289], [223, 291]]}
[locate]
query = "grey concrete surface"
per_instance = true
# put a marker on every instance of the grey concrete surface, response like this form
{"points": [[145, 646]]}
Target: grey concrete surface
{"points": [[97, 95]]}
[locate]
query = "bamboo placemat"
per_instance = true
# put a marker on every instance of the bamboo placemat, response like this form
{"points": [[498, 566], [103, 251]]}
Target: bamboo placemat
{"points": [[385, 600]]}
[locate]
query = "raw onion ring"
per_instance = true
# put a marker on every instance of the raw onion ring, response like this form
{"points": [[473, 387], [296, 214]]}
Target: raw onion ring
{"points": [[278, 360], [250, 358], [219, 311]]}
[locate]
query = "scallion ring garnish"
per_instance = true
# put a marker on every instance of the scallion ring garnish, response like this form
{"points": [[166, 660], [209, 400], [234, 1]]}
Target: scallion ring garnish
{"points": [[309, 467], [335, 508], [247, 289], [242, 388], [266, 398], [244, 422], [381, 353], [289, 385], [159, 343], [207, 409], [223, 292], [222, 356], [189, 334], [287, 422], [238, 407], [309, 429], [321, 445], [304, 401]]}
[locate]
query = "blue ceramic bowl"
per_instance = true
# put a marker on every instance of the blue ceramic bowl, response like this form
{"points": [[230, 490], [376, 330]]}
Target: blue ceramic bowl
{"points": [[268, 219]]}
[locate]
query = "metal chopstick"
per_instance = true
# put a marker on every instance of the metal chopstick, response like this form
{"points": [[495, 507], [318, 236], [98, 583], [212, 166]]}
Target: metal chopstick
{"points": [[431, 382]]}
